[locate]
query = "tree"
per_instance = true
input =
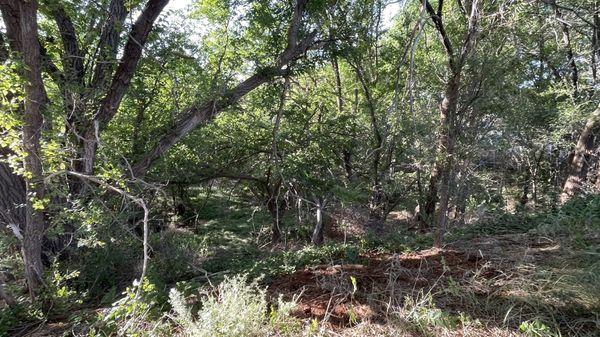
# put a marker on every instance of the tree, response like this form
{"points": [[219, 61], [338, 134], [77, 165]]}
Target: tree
{"points": [[440, 177]]}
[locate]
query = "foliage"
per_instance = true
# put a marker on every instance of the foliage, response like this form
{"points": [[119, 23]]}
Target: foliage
{"points": [[235, 308]]}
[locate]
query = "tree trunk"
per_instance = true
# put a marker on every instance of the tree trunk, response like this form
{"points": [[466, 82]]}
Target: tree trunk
{"points": [[35, 99], [440, 179], [12, 196], [5, 296], [580, 163], [446, 135], [276, 209], [275, 205], [12, 186], [526, 186], [569, 48], [317, 236]]}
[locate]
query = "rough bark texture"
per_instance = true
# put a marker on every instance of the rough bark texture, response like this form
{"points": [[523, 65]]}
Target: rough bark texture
{"points": [[35, 99], [108, 43], [445, 152], [580, 163]]}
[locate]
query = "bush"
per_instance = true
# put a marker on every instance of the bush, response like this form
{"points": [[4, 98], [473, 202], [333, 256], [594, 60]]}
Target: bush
{"points": [[235, 309]]}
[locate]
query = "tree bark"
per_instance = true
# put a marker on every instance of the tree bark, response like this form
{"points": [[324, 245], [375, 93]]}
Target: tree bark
{"points": [[35, 100], [580, 163], [445, 152], [276, 207], [12, 196], [121, 80]]}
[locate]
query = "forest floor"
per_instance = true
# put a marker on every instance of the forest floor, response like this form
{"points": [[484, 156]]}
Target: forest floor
{"points": [[500, 278]]}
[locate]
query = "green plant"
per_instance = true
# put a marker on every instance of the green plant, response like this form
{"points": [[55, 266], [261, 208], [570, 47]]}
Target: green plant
{"points": [[132, 314], [536, 328], [422, 312], [234, 308]]}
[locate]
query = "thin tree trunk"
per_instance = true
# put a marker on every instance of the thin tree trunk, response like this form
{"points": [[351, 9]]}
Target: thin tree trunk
{"points": [[317, 236], [445, 152], [579, 164], [276, 208], [440, 178], [526, 187], [569, 48]]}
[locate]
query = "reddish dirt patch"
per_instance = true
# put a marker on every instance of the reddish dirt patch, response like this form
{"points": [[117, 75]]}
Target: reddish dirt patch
{"points": [[328, 292]]}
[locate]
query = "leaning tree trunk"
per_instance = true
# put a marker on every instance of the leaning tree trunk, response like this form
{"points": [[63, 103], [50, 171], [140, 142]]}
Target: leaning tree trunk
{"points": [[580, 162]]}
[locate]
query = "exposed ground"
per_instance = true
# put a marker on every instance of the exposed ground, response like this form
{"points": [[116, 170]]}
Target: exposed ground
{"points": [[487, 281]]}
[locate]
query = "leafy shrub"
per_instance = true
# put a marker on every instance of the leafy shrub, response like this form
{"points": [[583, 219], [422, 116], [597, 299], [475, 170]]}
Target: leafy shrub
{"points": [[131, 314], [235, 309]]}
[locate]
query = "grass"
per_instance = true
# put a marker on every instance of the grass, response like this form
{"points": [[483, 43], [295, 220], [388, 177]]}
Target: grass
{"points": [[539, 276]]}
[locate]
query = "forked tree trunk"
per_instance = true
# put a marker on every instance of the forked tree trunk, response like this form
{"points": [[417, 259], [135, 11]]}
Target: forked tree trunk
{"points": [[440, 178], [581, 155]]}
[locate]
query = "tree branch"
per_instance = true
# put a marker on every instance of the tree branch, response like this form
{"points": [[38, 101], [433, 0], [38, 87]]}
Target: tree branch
{"points": [[128, 63], [198, 114]]}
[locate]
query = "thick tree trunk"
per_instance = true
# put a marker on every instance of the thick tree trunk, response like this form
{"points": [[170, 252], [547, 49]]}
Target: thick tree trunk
{"points": [[580, 163], [12, 186], [35, 99]]}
